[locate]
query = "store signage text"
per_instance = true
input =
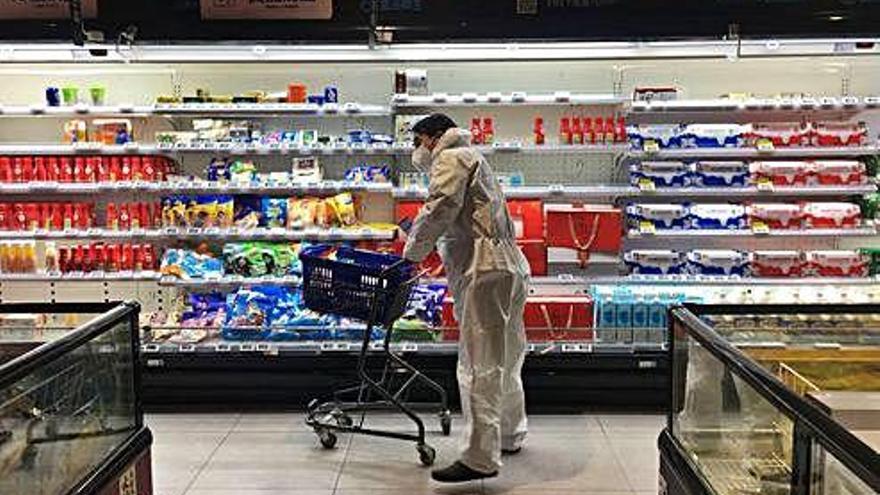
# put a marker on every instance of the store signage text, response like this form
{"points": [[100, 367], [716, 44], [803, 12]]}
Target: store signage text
{"points": [[266, 9]]}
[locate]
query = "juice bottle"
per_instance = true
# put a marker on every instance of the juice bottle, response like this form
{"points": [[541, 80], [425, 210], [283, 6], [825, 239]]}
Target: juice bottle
{"points": [[476, 131], [488, 130], [609, 130], [589, 133], [565, 131], [598, 126], [577, 132], [112, 217], [621, 130], [540, 137]]}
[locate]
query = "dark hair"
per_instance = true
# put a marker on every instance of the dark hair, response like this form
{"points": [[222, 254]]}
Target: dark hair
{"points": [[433, 125]]}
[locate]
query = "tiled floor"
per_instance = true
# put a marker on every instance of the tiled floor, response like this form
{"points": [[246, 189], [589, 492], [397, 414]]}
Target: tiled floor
{"points": [[273, 454]]}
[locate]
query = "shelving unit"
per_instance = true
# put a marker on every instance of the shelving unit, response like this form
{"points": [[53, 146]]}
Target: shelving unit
{"points": [[195, 234], [401, 101], [754, 153]]}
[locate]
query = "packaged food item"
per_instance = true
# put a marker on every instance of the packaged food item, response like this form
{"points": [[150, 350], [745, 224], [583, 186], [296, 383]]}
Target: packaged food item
{"points": [[713, 135], [839, 172], [344, 208], [247, 212], [187, 264], [663, 135], [302, 213], [661, 216], [831, 215], [778, 263], [174, 211], [781, 173], [776, 215], [50, 258], [368, 174], [720, 173], [274, 212], [727, 262], [838, 263], [306, 170], [655, 262], [202, 213], [717, 216], [661, 174], [779, 134], [840, 134], [241, 171], [76, 131]]}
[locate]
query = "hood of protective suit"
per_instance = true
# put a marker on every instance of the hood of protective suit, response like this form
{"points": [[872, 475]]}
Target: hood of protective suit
{"points": [[452, 138]]}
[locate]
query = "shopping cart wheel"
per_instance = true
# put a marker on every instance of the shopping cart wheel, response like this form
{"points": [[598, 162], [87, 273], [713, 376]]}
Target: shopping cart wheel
{"points": [[446, 423], [327, 437], [426, 454], [342, 418]]}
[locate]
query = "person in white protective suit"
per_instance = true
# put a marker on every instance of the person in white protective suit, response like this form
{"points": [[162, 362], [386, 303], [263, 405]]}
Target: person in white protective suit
{"points": [[466, 217]]}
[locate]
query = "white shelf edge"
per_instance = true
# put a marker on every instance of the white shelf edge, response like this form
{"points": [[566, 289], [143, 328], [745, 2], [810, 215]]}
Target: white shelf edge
{"points": [[161, 234], [746, 233], [503, 99], [793, 152]]}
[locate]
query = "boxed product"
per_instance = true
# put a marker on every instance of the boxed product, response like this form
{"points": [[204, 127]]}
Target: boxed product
{"points": [[663, 135], [720, 173], [718, 262], [717, 216], [781, 173], [306, 170], [661, 216], [831, 215], [840, 134], [776, 215], [839, 172], [838, 263], [713, 135], [528, 217], [586, 228], [655, 262], [535, 251], [778, 263], [558, 318], [661, 174], [780, 134]]}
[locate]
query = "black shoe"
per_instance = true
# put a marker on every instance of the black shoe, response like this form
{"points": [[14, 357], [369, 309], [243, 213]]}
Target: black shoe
{"points": [[511, 451], [459, 473]]}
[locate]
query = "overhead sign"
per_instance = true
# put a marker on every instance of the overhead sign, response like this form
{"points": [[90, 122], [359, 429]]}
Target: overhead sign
{"points": [[266, 9], [44, 9]]}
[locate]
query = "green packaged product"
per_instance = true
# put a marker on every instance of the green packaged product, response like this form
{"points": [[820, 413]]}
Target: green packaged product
{"points": [[870, 204], [874, 263]]}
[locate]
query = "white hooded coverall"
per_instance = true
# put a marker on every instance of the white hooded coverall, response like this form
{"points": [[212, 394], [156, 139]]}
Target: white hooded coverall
{"points": [[466, 216]]}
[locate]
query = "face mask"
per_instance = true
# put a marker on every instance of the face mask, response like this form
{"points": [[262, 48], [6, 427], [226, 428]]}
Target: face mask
{"points": [[421, 159]]}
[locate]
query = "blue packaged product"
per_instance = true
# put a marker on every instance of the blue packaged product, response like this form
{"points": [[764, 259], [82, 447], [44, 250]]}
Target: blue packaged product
{"points": [[713, 136], [661, 174], [623, 314], [359, 136], [218, 169], [664, 135], [657, 314], [331, 94], [606, 314], [273, 212], [661, 216], [721, 174], [315, 99], [726, 262], [248, 314], [640, 313], [655, 262], [364, 173], [717, 216]]}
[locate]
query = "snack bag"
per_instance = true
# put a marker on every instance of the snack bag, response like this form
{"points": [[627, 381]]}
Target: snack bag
{"points": [[301, 213], [174, 211], [247, 212], [242, 171], [274, 212], [204, 212], [225, 212], [344, 209]]}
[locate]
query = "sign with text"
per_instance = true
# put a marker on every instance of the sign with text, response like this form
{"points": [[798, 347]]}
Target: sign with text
{"points": [[44, 9], [266, 9]]}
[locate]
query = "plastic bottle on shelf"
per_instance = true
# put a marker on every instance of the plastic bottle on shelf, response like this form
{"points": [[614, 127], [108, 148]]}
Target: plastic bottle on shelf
{"points": [[488, 130], [598, 136], [476, 131], [124, 217], [621, 135], [589, 132], [540, 136], [609, 130], [50, 258], [577, 132], [565, 131], [40, 170]]}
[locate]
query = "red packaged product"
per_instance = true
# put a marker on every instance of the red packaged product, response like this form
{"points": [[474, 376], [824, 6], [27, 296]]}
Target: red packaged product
{"points": [[476, 131], [778, 263], [535, 251], [781, 134], [488, 130], [53, 169], [27, 169], [598, 135], [776, 215], [17, 170], [565, 131], [559, 312], [5, 213], [91, 169], [124, 217], [5, 169], [57, 222], [840, 134], [156, 212], [99, 259], [46, 216], [40, 170], [838, 263], [528, 217], [589, 131], [79, 166], [620, 136], [115, 169], [538, 130], [831, 215], [76, 262], [577, 133], [781, 173], [150, 260], [585, 228], [609, 131], [68, 217], [19, 217], [112, 217], [83, 213], [138, 256], [143, 214], [136, 169], [33, 216], [163, 166], [125, 170], [839, 172], [148, 168], [126, 258], [111, 253], [66, 169]]}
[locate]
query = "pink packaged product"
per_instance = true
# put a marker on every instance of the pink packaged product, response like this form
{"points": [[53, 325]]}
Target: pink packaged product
{"points": [[776, 215], [839, 172], [831, 215], [838, 263], [840, 134], [781, 134], [783, 173], [778, 264]]}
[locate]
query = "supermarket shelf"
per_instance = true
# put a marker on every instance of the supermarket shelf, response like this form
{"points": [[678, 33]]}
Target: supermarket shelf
{"points": [[123, 276], [123, 110], [258, 109], [560, 191], [731, 280], [80, 149], [793, 152], [228, 281], [193, 186], [685, 234], [499, 99], [825, 103], [365, 233], [230, 148]]}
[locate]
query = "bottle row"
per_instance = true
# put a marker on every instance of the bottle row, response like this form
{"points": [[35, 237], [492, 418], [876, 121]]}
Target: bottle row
{"points": [[84, 169], [27, 257]]}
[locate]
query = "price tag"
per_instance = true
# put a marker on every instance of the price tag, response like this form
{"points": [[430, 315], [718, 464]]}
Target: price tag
{"points": [[556, 189], [194, 232], [187, 348], [647, 228], [171, 231], [765, 185], [222, 348], [410, 347], [765, 146], [760, 228], [647, 185], [247, 348], [651, 146]]}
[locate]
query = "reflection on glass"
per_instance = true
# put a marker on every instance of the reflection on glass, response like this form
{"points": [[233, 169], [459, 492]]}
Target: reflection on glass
{"points": [[43, 327], [830, 476], [737, 439], [59, 422]]}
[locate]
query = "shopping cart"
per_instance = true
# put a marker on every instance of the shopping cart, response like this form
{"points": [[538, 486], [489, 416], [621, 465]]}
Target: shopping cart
{"points": [[374, 288]]}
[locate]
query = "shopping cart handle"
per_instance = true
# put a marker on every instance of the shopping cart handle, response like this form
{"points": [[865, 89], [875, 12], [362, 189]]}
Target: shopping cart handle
{"points": [[393, 266]]}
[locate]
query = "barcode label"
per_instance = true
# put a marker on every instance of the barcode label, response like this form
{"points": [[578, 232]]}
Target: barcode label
{"points": [[529, 7]]}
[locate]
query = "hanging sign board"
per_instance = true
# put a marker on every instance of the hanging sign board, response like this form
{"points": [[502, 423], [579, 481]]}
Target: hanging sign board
{"points": [[266, 9], [44, 9]]}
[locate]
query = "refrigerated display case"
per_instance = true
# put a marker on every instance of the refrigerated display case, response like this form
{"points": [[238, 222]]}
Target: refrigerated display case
{"points": [[195, 178], [71, 418], [745, 417]]}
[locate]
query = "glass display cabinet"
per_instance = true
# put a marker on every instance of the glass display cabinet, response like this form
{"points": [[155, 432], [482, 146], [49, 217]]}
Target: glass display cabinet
{"points": [[70, 413], [773, 399]]}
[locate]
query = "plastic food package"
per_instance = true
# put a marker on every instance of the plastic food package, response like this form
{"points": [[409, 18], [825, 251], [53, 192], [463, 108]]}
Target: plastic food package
{"points": [[713, 135], [186, 264], [219, 169], [776, 215], [241, 171], [364, 173], [778, 263], [655, 262], [838, 263], [306, 170], [720, 174], [344, 208], [717, 216], [780, 134], [661, 174], [273, 212], [302, 213], [661, 216], [840, 134], [781, 173], [831, 215], [664, 135], [256, 259], [839, 172], [725, 262]]}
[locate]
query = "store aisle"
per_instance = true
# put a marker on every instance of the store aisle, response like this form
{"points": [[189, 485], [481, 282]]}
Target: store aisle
{"points": [[274, 454]]}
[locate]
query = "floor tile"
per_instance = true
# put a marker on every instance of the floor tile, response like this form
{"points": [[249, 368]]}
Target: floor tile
{"points": [[632, 424], [273, 422], [191, 422], [640, 461], [178, 457], [272, 461], [248, 491]]}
